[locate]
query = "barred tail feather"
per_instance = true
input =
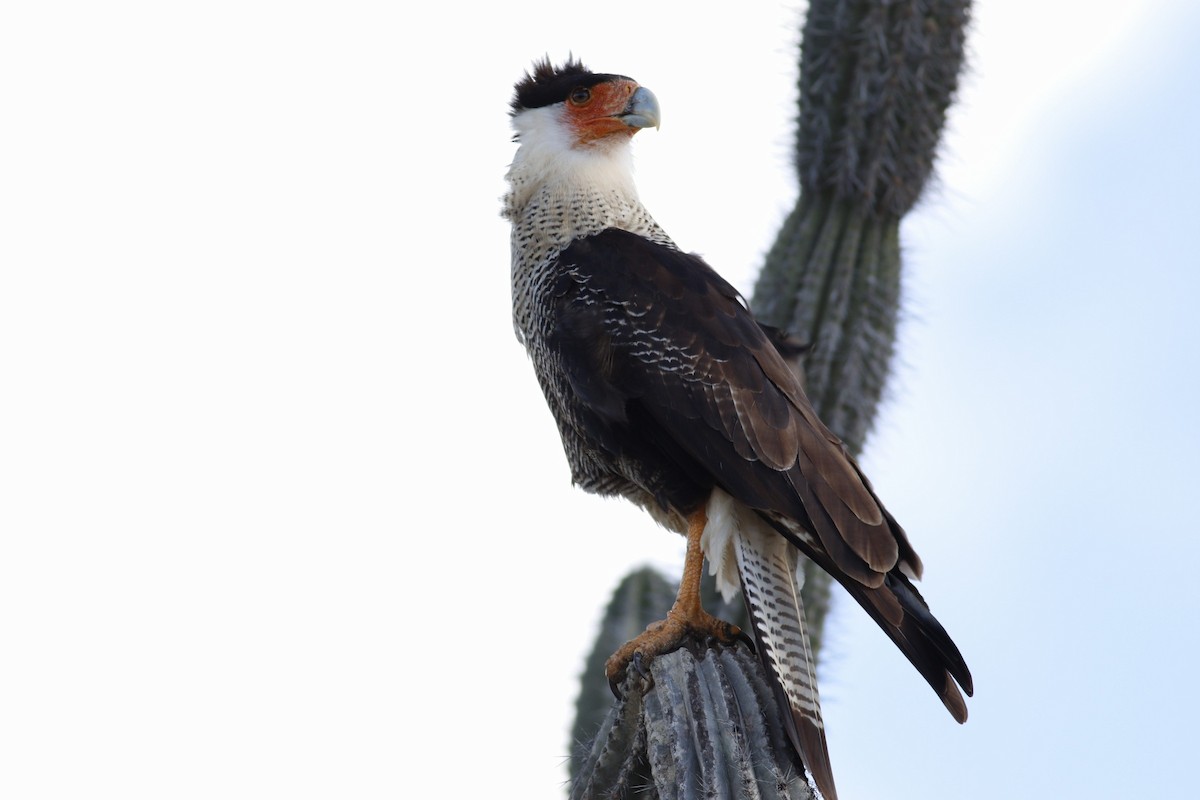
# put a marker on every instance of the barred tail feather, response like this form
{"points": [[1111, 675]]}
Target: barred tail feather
{"points": [[766, 565]]}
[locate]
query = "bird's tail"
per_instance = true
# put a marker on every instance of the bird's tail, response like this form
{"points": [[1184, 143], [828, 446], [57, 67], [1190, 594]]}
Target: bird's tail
{"points": [[898, 608], [771, 587], [767, 569]]}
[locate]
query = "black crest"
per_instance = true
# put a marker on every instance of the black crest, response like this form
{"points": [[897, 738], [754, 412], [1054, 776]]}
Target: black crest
{"points": [[548, 84]]}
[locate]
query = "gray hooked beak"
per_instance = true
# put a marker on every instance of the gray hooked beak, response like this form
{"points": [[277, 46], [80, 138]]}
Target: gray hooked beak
{"points": [[642, 110]]}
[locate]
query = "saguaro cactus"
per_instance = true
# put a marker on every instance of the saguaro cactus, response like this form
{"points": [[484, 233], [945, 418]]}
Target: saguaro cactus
{"points": [[876, 80]]}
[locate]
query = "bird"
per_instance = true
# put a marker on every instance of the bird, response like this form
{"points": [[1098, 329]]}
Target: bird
{"points": [[668, 392]]}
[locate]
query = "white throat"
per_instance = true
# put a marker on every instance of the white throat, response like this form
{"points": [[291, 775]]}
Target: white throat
{"points": [[548, 163]]}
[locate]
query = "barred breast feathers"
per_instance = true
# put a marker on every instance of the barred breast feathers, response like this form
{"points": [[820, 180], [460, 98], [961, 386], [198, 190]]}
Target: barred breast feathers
{"points": [[558, 193]]}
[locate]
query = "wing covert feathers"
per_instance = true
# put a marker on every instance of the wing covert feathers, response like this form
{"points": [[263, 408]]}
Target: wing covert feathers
{"points": [[652, 327]]}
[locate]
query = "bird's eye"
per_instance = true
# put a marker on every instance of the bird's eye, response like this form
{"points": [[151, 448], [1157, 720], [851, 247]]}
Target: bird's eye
{"points": [[580, 95]]}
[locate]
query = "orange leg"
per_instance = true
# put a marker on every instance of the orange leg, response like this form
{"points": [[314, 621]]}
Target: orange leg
{"points": [[686, 619]]}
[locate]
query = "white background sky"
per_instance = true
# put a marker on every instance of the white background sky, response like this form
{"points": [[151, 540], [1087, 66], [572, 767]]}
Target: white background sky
{"points": [[282, 512]]}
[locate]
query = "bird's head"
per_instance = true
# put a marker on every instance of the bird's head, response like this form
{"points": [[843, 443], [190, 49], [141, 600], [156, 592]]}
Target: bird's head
{"points": [[578, 108], [574, 128]]}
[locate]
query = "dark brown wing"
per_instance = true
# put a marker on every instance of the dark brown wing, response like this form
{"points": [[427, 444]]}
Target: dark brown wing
{"points": [[672, 367], [653, 331]]}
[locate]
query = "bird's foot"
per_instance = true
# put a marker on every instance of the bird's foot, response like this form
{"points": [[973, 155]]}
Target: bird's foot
{"points": [[662, 637]]}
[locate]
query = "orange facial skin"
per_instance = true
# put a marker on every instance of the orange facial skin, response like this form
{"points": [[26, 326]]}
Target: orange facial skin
{"points": [[595, 112]]}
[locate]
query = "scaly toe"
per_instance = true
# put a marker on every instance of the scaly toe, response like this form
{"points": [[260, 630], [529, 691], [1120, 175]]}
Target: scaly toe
{"points": [[666, 636]]}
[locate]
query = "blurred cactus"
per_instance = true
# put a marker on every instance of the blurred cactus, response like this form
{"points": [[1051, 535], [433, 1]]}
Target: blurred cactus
{"points": [[641, 598], [876, 80]]}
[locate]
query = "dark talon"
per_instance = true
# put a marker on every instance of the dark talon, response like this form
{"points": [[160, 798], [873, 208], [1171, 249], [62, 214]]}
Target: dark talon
{"points": [[639, 666], [747, 639], [643, 672], [638, 663]]}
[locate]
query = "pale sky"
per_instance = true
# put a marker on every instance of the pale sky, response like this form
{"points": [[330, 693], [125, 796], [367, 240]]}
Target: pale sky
{"points": [[282, 512]]}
